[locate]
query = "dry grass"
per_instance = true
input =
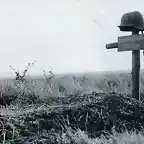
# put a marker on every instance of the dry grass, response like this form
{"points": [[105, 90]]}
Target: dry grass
{"points": [[15, 115], [17, 128]]}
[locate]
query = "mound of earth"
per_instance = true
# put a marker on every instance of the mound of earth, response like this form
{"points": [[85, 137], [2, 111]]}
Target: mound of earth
{"points": [[94, 117]]}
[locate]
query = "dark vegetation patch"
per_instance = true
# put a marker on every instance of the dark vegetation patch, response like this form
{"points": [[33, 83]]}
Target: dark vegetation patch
{"points": [[96, 114]]}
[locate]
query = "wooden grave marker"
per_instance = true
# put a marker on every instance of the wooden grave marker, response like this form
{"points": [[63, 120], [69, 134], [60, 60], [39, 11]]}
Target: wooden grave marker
{"points": [[134, 43]]}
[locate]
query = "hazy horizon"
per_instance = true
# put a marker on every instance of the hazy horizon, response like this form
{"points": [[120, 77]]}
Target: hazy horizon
{"points": [[69, 73], [67, 35]]}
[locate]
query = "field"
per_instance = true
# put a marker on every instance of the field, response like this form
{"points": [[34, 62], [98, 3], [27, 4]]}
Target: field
{"points": [[90, 108]]}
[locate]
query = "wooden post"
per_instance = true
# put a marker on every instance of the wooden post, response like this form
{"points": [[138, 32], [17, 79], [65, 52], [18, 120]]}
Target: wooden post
{"points": [[134, 43], [135, 71]]}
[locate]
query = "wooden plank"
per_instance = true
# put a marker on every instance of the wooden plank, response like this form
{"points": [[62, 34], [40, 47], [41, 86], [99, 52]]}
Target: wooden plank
{"points": [[131, 43], [112, 45]]}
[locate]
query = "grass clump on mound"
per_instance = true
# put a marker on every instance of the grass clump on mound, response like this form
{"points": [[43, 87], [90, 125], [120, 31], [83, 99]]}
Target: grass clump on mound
{"points": [[94, 118], [78, 123]]}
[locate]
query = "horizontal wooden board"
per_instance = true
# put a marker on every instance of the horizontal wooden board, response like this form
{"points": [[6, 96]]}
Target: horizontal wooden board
{"points": [[130, 43]]}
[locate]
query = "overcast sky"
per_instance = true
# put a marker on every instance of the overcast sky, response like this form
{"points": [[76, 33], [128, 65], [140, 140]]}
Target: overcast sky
{"points": [[63, 34]]}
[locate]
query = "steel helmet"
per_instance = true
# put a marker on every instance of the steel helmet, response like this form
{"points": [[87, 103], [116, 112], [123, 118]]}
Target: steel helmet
{"points": [[132, 20]]}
